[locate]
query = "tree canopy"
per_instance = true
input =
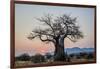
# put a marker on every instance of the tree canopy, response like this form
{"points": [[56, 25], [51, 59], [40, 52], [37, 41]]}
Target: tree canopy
{"points": [[61, 26]]}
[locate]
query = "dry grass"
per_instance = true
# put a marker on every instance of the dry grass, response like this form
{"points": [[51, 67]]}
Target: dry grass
{"points": [[28, 63]]}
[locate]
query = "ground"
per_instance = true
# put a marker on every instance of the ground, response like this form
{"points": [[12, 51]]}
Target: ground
{"points": [[72, 61]]}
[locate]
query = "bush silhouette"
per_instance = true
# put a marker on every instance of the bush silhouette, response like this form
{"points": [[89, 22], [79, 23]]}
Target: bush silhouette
{"points": [[38, 58], [23, 57]]}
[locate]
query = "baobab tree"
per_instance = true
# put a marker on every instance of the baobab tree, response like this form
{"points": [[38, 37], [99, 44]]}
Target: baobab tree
{"points": [[56, 29]]}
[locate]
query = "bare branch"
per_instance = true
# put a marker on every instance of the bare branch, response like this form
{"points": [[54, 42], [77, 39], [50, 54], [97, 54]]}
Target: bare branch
{"points": [[42, 32], [48, 21], [73, 40], [46, 40], [62, 26]]}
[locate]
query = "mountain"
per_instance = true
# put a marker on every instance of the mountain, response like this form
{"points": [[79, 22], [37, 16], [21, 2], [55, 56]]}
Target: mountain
{"points": [[78, 50]]}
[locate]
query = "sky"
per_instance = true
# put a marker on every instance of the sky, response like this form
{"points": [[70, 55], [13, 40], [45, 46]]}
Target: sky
{"points": [[25, 22]]}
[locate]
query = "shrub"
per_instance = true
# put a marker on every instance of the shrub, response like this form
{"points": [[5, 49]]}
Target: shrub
{"points": [[38, 58], [23, 57]]}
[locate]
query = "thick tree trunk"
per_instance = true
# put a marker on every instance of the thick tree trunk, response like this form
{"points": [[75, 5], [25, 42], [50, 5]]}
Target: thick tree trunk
{"points": [[59, 54]]}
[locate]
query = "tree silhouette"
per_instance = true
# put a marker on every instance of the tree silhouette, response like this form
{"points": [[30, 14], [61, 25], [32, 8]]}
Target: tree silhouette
{"points": [[48, 57], [56, 30], [38, 58], [23, 57]]}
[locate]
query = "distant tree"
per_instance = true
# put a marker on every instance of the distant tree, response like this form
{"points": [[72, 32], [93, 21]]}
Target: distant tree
{"points": [[90, 55], [71, 55], [83, 54], [38, 58], [78, 56], [23, 57], [56, 30], [48, 55]]}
